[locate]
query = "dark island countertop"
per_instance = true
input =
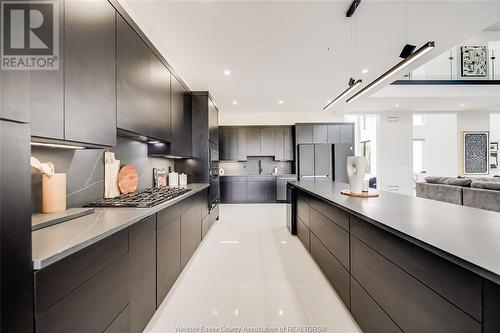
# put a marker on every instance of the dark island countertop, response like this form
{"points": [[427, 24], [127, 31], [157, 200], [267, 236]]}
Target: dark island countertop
{"points": [[53, 243], [469, 237]]}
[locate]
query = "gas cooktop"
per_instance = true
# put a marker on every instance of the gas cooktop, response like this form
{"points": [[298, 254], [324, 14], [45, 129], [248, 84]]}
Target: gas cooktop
{"points": [[149, 198]]}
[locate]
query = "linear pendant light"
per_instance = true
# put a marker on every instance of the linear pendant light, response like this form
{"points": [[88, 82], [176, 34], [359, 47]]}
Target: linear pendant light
{"points": [[408, 60], [347, 91]]}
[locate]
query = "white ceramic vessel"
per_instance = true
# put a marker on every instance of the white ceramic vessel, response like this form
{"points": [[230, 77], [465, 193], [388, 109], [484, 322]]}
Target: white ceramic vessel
{"points": [[356, 166]]}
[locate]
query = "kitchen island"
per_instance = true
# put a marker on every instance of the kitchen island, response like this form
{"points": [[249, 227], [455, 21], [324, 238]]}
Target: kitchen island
{"points": [[403, 264]]}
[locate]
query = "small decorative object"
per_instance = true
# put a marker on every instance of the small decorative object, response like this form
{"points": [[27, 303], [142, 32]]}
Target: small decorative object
{"points": [[53, 193], [173, 179], [475, 153], [360, 195], [128, 179], [183, 180], [474, 61], [494, 161], [356, 166], [159, 177], [365, 186], [221, 172], [111, 169]]}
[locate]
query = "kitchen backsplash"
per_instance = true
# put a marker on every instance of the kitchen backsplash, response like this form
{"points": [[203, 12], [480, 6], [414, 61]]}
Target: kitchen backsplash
{"points": [[85, 170], [251, 166]]}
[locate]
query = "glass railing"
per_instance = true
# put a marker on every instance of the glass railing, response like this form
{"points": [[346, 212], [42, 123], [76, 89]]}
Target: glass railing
{"points": [[462, 63]]}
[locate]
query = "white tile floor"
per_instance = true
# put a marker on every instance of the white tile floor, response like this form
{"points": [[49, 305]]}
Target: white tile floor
{"points": [[250, 272]]}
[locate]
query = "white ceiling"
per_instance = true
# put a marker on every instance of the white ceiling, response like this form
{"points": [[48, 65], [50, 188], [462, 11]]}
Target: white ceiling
{"points": [[278, 50]]}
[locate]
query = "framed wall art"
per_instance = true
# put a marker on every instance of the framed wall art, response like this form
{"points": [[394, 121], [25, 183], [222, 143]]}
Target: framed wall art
{"points": [[474, 61], [475, 153], [494, 161]]}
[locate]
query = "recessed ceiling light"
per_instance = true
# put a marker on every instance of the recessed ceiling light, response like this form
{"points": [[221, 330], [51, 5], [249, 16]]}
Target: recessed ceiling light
{"points": [[461, 105], [364, 71], [227, 72], [396, 105], [280, 102], [235, 102]]}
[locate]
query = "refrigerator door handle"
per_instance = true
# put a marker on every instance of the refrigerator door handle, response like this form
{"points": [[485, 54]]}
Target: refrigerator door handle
{"points": [[322, 176], [307, 176]]}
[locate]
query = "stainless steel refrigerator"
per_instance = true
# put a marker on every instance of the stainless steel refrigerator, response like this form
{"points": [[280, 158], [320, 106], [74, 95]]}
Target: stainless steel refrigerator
{"points": [[323, 161]]}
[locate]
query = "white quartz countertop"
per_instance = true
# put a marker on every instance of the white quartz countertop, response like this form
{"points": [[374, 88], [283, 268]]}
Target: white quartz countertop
{"points": [[53, 243]]}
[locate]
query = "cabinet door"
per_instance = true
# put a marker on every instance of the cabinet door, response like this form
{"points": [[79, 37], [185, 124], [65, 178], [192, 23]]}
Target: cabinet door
{"points": [[225, 189], [320, 133], [333, 133], [213, 122], [14, 97], [267, 141], [168, 253], [181, 119], [46, 94], [255, 190], [142, 273], [160, 99], [133, 80], [347, 133], [233, 144], [224, 144], [253, 141], [190, 233], [242, 144], [90, 72], [279, 144], [304, 133], [239, 189], [289, 147]]}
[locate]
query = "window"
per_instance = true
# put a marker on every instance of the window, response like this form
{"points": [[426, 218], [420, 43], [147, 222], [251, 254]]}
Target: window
{"points": [[367, 152], [418, 120], [418, 155]]}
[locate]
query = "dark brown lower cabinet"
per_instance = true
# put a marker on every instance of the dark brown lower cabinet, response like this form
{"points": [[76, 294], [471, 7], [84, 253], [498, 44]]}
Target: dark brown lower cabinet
{"points": [[411, 305], [205, 226], [369, 316], [303, 234], [336, 274], [93, 306], [142, 273], [168, 249], [190, 233], [120, 324]]}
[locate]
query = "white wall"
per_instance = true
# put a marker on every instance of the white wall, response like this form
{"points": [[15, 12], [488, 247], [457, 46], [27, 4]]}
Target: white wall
{"points": [[276, 118], [440, 134], [395, 152]]}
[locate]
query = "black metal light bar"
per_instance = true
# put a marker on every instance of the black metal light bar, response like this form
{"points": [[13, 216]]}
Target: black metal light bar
{"points": [[408, 60], [352, 8], [352, 85]]}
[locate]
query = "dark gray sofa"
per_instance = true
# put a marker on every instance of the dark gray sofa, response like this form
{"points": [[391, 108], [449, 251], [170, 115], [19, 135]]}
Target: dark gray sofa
{"points": [[462, 192]]}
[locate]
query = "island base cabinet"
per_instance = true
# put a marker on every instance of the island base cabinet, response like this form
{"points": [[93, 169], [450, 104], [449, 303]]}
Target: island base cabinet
{"points": [[93, 306], [168, 254], [304, 234], [410, 304], [336, 274], [120, 324], [369, 316], [205, 226], [142, 273]]}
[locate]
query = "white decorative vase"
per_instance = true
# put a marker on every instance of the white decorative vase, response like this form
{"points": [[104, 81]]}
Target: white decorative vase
{"points": [[356, 166]]}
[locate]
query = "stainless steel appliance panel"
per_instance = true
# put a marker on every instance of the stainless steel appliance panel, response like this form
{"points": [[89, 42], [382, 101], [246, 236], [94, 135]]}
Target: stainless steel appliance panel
{"points": [[323, 162], [306, 161]]}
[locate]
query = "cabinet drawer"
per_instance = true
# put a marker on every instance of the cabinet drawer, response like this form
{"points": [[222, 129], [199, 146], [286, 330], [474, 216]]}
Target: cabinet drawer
{"points": [[390, 287], [463, 289], [335, 214], [176, 210], [331, 235], [303, 207], [120, 324], [61, 278], [93, 306], [205, 226], [369, 316], [333, 270], [303, 234]]}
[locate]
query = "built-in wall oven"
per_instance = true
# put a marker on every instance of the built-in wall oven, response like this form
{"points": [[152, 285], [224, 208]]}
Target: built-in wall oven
{"points": [[213, 174]]}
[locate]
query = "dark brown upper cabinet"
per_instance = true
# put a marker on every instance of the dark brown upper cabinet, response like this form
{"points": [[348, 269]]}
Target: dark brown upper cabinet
{"points": [[267, 141], [181, 119], [90, 72], [133, 80], [160, 99], [213, 122]]}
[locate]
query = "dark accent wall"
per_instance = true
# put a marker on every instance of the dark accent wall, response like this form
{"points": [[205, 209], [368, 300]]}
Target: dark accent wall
{"points": [[85, 170]]}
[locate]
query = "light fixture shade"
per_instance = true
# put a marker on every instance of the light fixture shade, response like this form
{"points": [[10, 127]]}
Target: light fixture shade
{"points": [[408, 60], [407, 51], [352, 85], [352, 8]]}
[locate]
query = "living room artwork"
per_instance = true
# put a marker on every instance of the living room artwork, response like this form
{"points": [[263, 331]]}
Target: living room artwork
{"points": [[475, 153], [494, 155]]}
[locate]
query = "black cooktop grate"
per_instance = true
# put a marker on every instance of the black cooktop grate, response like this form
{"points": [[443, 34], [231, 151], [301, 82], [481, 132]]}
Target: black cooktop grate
{"points": [[149, 198]]}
